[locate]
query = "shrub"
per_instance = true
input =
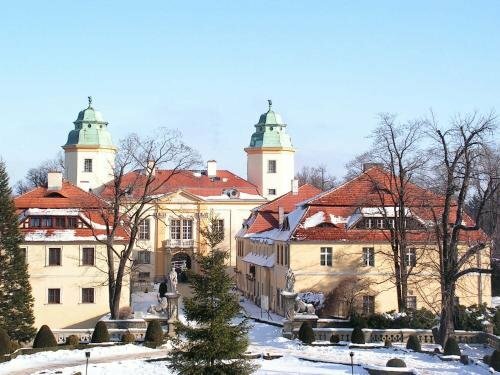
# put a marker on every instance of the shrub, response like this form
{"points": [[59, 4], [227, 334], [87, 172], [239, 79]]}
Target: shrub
{"points": [[125, 312], [357, 336], [44, 338], [72, 340], [306, 333], [380, 321], [334, 339], [5, 345], [100, 333], [395, 362], [496, 322], [487, 359], [495, 360], [154, 333], [128, 337], [413, 343], [358, 321], [387, 343], [451, 347]]}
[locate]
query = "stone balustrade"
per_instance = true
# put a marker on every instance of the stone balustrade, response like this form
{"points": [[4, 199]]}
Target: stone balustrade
{"points": [[85, 335]]}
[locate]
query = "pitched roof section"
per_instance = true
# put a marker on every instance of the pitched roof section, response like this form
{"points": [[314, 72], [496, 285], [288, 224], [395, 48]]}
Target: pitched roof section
{"points": [[266, 217], [193, 182]]}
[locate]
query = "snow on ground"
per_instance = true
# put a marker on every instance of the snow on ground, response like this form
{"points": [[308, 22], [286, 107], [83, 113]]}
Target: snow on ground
{"points": [[253, 311], [68, 356], [495, 301]]}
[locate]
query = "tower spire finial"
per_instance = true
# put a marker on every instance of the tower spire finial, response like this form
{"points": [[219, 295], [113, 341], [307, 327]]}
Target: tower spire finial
{"points": [[90, 101], [270, 102]]}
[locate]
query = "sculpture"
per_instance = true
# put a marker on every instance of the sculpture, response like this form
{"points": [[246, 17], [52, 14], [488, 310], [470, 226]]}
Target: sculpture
{"points": [[289, 281], [304, 308], [173, 280], [160, 308]]}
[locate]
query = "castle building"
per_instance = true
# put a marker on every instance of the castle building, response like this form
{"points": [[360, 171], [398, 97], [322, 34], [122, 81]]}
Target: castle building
{"points": [[89, 153], [270, 156]]}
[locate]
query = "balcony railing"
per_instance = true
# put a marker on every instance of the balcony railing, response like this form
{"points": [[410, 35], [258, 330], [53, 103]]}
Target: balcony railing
{"points": [[178, 243]]}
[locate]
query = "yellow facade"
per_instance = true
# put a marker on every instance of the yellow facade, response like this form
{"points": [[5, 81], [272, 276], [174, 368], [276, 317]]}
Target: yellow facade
{"points": [[70, 277], [304, 258]]}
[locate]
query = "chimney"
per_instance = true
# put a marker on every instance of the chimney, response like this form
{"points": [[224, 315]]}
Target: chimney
{"points": [[211, 168], [54, 181], [281, 215], [367, 166], [295, 186]]}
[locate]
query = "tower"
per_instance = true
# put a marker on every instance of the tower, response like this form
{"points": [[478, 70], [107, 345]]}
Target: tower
{"points": [[89, 153], [270, 156]]}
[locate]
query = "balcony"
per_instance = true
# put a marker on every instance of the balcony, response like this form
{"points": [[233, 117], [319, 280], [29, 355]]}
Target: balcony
{"points": [[178, 243]]}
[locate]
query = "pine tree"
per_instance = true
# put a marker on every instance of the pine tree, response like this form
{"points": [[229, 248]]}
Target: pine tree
{"points": [[214, 344], [16, 301]]}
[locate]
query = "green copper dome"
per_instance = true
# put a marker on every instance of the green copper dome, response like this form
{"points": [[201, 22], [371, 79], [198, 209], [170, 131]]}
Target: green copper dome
{"points": [[270, 131], [90, 129]]}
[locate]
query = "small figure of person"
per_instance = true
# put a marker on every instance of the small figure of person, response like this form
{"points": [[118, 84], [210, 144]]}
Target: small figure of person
{"points": [[173, 280], [163, 289]]}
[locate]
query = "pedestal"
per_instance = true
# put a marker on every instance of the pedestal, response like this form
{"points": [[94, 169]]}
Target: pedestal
{"points": [[173, 312], [289, 305]]}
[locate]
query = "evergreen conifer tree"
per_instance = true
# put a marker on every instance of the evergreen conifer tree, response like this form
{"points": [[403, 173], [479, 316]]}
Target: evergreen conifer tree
{"points": [[215, 344], [16, 301]]}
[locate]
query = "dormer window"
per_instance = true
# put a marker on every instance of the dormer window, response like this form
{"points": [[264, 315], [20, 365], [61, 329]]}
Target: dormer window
{"points": [[57, 222]]}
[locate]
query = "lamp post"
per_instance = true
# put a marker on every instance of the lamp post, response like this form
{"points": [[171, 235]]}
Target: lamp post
{"points": [[87, 356], [351, 354]]}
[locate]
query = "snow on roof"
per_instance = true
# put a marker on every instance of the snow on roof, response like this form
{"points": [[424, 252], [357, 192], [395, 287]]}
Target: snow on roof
{"points": [[224, 197], [52, 212], [62, 235], [260, 260]]}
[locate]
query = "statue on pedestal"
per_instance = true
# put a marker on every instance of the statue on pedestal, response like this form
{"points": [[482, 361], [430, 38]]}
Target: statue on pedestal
{"points": [[289, 281], [172, 281]]}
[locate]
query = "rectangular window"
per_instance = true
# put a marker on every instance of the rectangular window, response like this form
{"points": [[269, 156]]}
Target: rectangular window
{"points": [[187, 229], [54, 296], [144, 257], [175, 229], [326, 256], [46, 222], [271, 166], [368, 223], [380, 223], [35, 222], [410, 257], [271, 191], [218, 227], [411, 302], [144, 229], [24, 253], [88, 257], [368, 256], [72, 222], [144, 276], [87, 165], [368, 305], [87, 295], [54, 256], [60, 221]]}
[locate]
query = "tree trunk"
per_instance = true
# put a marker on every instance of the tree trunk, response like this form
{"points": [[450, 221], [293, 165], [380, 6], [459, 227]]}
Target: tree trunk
{"points": [[446, 323]]}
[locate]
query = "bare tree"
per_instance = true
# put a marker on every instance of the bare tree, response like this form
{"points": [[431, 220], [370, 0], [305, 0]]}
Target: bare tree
{"points": [[36, 177], [316, 176], [396, 149], [131, 196], [463, 168]]}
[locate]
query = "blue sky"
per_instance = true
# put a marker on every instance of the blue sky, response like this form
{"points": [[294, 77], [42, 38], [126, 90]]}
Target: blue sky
{"points": [[207, 68]]}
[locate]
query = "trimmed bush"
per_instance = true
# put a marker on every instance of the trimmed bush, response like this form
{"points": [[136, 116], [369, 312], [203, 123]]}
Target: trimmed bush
{"points": [[44, 338], [358, 321], [357, 336], [154, 333], [306, 333], [5, 345], [128, 338], [334, 339], [100, 333], [395, 362], [487, 359], [72, 340], [413, 343], [495, 360], [451, 347], [388, 343]]}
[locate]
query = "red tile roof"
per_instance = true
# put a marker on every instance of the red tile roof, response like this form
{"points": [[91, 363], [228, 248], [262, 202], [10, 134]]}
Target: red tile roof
{"points": [[67, 198], [168, 181]]}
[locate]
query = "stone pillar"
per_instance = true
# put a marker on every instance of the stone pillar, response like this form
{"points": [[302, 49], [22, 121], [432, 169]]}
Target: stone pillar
{"points": [[289, 303], [173, 312]]}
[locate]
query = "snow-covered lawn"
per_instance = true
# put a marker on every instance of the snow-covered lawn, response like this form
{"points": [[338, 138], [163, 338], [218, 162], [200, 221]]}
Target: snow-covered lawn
{"points": [[264, 338]]}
